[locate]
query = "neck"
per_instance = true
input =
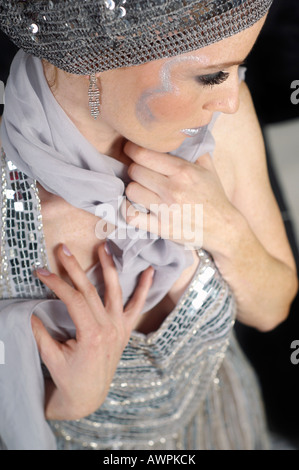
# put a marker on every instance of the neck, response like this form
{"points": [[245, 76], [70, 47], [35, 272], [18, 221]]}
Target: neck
{"points": [[71, 93]]}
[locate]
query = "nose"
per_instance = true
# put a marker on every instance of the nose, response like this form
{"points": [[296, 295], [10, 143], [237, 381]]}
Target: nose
{"points": [[226, 99], [231, 104]]}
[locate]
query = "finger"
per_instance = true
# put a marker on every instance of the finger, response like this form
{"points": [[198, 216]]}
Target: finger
{"points": [[146, 177], [141, 220], [163, 163], [113, 293], [48, 347], [135, 304], [141, 195], [75, 302], [80, 280]]}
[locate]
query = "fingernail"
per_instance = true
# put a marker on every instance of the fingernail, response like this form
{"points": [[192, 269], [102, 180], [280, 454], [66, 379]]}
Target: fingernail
{"points": [[66, 251], [107, 249], [43, 271]]}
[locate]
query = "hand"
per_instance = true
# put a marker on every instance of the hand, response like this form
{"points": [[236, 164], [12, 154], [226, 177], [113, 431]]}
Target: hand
{"points": [[192, 192], [82, 369]]}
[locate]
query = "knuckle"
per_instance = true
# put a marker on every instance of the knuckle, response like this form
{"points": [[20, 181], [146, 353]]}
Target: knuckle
{"points": [[112, 333], [78, 298], [95, 340], [165, 191], [130, 189], [171, 196], [91, 291], [186, 173], [101, 337], [132, 170], [131, 212], [96, 335], [175, 197]]}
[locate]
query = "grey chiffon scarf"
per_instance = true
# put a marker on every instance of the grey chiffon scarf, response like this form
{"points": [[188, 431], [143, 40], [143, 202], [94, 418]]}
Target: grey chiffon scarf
{"points": [[43, 142], [40, 139]]}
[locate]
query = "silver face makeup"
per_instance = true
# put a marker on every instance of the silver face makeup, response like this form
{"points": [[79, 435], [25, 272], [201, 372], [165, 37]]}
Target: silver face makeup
{"points": [[143, 111]]}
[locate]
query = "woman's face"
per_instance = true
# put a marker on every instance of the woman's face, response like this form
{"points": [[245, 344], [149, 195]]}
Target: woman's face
{"points": [[158, 104]]}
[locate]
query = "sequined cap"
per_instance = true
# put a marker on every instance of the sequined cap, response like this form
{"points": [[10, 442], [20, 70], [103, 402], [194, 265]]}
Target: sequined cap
{"points": [[86, 36]]}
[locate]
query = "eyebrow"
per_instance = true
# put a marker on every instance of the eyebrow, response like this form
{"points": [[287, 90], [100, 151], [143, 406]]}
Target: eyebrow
{"points": [[225, 64]]}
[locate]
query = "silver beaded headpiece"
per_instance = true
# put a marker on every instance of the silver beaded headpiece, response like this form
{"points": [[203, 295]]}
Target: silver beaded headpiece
{"points": [[87, 36]]}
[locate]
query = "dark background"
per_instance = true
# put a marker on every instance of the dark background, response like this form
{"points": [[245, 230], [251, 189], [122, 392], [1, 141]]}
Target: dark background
{"points": [[272, 66]]}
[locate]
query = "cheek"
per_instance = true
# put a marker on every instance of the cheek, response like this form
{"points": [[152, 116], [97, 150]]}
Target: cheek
{"points": [[174, 108], [118, 105], [154, 108]]}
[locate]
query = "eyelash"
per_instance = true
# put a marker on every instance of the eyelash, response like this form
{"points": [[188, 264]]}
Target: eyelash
{"points": [[213, 79]]}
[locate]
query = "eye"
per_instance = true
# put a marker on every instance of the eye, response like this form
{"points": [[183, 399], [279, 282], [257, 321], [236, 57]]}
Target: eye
{"points": [[213, 79]]}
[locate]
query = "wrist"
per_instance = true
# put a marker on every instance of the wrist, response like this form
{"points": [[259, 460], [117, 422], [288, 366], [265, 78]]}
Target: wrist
{"points": [[61, 406]]}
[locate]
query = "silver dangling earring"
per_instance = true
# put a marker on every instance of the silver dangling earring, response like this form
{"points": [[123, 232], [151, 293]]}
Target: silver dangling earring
{"points": [[94, 96]]}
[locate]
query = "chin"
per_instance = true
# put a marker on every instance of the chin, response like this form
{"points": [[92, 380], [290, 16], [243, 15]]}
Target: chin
{"points": [[166, 147]]}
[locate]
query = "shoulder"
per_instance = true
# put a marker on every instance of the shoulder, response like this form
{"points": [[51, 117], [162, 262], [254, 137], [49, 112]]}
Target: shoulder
{"points": [[240, 158], [245, 115], [239, 141]]}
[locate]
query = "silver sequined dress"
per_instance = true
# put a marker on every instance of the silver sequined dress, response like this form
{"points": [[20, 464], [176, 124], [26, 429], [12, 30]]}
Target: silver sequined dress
{"points": [[186, 386]]}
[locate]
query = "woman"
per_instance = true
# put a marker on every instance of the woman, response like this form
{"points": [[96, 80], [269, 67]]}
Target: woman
{"points": [[159, 76]]}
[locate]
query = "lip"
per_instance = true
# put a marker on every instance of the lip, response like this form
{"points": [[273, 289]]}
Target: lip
{"points": [[191, 132]]}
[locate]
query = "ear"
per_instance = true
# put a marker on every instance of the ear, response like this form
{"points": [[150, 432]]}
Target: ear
{"points": [[87, 77]]}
